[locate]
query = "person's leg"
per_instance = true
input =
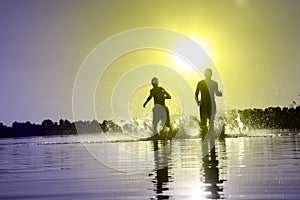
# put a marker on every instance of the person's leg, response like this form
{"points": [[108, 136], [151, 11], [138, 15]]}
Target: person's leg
{"points": [[204, 127], [169, 134], [203, 123], [155, 120], [212, 122], [212, 115], [168, 121], [204, 120], [203, 117]]}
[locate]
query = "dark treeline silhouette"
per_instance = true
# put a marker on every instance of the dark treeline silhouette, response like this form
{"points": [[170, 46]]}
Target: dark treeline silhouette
{"points": [[63, 127], [269, 118], [272, 118]]}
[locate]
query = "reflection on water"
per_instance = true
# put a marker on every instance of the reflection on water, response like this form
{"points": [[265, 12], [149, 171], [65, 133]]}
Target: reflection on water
{"points": [[236, 168], [205, 168], [211, 179], [162, 161]]}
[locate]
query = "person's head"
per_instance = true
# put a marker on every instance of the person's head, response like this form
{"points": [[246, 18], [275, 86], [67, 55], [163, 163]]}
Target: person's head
{"points": [[208, 73], [154, 81]]}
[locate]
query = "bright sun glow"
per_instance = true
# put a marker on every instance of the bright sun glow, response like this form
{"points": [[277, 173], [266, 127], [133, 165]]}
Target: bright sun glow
{"points": [[202, 43], [195, 54], [180, 62], [195, 58]]}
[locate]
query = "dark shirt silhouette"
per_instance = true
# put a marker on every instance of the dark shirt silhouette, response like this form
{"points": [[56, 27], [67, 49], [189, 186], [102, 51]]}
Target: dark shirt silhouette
{"points": [[208, 89], [159, 94], [160, 110]]}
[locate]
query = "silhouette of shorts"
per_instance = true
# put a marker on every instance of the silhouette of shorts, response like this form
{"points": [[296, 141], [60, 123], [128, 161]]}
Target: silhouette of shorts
{"points": [[207, 110], [161, 113]]}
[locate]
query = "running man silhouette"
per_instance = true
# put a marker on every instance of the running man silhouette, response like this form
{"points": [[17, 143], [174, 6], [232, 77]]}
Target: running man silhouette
{"points": [[160, 110], [208, 89]]}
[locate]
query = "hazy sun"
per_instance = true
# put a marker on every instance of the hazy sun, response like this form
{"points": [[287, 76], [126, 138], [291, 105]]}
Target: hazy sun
{"points": [[181, 63]]}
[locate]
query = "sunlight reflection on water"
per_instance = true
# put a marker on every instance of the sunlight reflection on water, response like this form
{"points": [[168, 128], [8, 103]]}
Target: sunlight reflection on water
{"points": [[237, 168]]}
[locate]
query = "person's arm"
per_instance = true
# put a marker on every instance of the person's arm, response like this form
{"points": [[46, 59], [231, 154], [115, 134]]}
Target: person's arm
{"points": [[167, 95], [148, 99], [197, 94], [218, 92]]}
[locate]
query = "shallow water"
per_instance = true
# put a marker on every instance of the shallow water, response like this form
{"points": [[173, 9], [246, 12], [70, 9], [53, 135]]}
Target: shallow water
{"points": [[63, 168]]}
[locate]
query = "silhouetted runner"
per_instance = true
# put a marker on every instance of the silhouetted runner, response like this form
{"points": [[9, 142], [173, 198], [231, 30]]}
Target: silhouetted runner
{"points": [[160, 110], [208, 89]]}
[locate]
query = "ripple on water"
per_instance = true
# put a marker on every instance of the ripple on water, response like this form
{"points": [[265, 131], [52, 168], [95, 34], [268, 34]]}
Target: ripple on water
{"points": [[237, 168]]}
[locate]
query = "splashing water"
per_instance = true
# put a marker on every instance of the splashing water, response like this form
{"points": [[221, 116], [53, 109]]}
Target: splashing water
{"points": [[234, 125], [183, 127]]}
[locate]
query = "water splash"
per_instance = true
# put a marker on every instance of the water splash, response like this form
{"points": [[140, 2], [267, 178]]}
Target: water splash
{"points": [[183, 127], [234, 124]]}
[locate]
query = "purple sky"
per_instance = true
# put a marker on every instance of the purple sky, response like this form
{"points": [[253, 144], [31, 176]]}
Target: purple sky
{"points": [[43, 44]]}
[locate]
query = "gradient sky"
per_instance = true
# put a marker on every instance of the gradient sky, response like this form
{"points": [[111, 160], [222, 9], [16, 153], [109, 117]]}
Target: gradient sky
{"points": [[254, 44]]}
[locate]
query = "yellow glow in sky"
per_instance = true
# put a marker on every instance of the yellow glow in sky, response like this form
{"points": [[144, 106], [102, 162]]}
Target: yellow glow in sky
{"points": [[131, 83]]}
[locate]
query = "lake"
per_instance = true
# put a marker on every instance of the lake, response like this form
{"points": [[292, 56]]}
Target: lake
{"points": [[259, 166]]}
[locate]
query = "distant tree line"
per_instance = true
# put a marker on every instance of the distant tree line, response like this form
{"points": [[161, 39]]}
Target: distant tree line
{"points": [[269, 118], [63, 127], [272, 118]]}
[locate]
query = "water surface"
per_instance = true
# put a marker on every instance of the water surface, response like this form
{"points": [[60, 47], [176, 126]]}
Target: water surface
{"points": [[237, 168]]}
